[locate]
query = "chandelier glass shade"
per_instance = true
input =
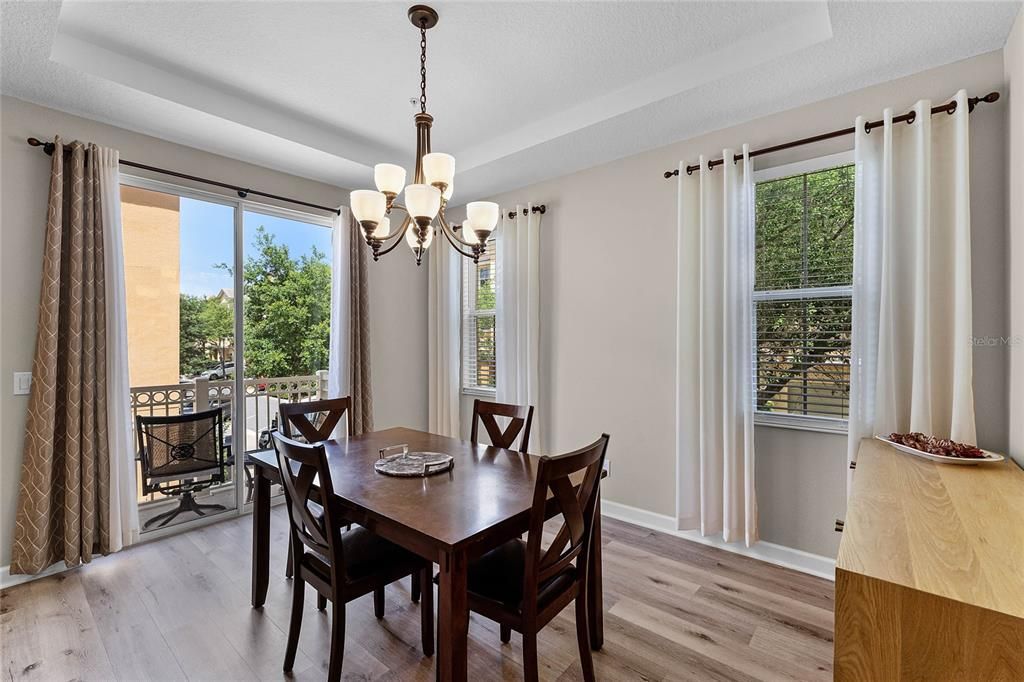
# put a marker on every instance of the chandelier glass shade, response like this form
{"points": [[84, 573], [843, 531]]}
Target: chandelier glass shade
{"points": [[427, 196]]}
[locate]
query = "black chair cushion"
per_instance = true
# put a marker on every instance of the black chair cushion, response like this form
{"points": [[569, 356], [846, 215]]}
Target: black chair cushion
{"points": [[366, 554], [498, 576]]}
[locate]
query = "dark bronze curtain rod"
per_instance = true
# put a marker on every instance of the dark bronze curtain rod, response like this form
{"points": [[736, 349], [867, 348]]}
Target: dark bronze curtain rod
{"points": [[542, 209], [243, 192], [948, 107]]}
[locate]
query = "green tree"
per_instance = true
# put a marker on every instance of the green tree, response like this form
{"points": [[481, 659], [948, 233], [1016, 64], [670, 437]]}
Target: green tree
{"points": [[205, 331], [191, 336], [218, 321], [485, 296], [486, 369], [287, 310]]}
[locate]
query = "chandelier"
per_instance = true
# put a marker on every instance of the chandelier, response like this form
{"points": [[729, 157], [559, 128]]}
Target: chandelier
{"points": [[428, 195]]}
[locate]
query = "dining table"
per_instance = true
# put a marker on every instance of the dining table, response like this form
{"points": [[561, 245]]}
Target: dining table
{"points": [[451, 518]]}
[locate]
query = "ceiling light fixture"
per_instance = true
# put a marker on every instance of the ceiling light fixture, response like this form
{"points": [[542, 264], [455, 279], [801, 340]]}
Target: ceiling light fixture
{"points": [[428, 195]]}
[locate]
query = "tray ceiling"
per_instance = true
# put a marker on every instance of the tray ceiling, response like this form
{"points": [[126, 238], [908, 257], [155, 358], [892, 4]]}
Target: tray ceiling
{"points": [[520, 91]]}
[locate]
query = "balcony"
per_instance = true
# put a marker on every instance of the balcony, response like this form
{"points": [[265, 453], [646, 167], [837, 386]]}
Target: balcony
{"points": [[262, 397]]}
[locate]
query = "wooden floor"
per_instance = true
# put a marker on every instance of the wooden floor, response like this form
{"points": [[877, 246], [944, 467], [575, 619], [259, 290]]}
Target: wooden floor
{"points": [[178, 608]]}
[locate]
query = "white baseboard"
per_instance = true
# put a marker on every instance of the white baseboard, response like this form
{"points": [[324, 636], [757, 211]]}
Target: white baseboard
{"points": [[796, 559], [8, 580]]}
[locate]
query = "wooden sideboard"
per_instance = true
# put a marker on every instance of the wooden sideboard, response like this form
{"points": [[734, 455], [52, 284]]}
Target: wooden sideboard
{"points": [[930, 572]]}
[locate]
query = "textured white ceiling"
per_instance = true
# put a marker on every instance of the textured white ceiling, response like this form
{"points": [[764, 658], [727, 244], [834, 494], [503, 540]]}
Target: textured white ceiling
{"points": [[520, 91]]}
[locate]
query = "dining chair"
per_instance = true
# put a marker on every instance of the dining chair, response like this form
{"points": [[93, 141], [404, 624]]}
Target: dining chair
{"points": [[520, 420], [522, 586], [312, 421], [341, 566], [297, 424]]}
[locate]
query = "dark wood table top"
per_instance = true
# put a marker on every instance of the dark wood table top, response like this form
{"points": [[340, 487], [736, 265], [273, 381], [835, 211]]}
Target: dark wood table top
{"points": [[486, 495]]}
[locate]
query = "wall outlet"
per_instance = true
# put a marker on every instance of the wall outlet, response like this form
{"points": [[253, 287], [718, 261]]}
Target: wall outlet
{"points": [[22, 383]]}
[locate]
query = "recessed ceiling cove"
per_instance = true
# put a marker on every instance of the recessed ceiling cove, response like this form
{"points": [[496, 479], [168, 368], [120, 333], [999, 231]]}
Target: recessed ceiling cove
{"points": [[520, 91]]}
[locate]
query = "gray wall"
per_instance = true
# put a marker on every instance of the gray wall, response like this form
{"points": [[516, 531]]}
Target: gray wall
{"points": [[608, 291], [398, 327], [397, 301], [1014, 67]]}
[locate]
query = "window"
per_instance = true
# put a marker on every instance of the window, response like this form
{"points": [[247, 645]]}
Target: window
{"points": [[479, 301], [803, 277]]}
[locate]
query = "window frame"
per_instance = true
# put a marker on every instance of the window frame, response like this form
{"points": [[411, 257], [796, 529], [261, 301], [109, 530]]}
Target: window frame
{"points": [[468, 310], [784, 420]]}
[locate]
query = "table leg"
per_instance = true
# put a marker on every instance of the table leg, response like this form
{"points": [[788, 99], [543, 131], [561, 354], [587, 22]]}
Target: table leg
{"points": [[595, 589], [260, 537], [453, 619]]}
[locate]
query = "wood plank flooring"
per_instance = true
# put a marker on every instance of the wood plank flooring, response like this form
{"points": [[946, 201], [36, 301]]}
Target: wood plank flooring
{"points": [[178, 608]]}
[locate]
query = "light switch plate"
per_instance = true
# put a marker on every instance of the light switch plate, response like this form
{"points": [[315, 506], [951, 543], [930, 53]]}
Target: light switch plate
{"points": [[22, 383]]}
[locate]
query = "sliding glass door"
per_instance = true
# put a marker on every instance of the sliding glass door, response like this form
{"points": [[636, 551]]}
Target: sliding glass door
{"points": [[286, 317], [179, 252], [225, 298]]}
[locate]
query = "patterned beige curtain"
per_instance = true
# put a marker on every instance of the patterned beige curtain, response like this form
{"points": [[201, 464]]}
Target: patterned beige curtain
{"points": [[362, 391], [64, 501]]}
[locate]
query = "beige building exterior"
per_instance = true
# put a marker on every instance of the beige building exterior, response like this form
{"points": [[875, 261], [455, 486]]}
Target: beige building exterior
{"points": [[152, 254]]}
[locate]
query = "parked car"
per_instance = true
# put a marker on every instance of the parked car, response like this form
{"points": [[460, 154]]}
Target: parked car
{"points": [[217, 372]]}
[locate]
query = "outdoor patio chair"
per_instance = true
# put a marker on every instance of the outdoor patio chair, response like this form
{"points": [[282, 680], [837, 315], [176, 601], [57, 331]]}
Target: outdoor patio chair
{"points": [[182, 455]]}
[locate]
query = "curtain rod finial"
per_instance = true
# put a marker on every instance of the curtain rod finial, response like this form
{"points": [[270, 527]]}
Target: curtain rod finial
{"points": [[48, 147]]}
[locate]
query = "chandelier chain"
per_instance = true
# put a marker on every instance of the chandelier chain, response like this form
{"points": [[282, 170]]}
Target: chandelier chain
{"points": [[423, 66]]}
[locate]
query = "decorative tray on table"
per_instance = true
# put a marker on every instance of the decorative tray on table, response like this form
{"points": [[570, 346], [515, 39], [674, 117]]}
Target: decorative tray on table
{"points": [[412, 464], [939, 450]]}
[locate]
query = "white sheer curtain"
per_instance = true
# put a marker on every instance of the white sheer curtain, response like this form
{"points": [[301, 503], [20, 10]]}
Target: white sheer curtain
{"points": [[443, 340], [911, 360], [518, 311], [714, 392], [339, 359], [124, 509]]}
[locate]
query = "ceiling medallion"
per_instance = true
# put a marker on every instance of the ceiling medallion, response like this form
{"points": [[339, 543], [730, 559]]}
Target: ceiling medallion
{"points": [[427, 197]]}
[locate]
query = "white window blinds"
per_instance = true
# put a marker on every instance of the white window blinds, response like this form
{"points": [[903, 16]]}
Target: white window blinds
{"points": [[479, 298], [803, 276]]}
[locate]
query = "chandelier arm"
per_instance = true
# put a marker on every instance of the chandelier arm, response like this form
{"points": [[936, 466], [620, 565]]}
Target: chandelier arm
{"points": [[450, 233], [401, 233], [455, 246]]}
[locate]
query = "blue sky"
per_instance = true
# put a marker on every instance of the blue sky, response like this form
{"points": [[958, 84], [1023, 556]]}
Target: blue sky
{"points": [[207, 238]]}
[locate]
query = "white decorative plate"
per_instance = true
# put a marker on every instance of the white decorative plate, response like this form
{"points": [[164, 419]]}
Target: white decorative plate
{"points": [[988, 458], [414, 464]]}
